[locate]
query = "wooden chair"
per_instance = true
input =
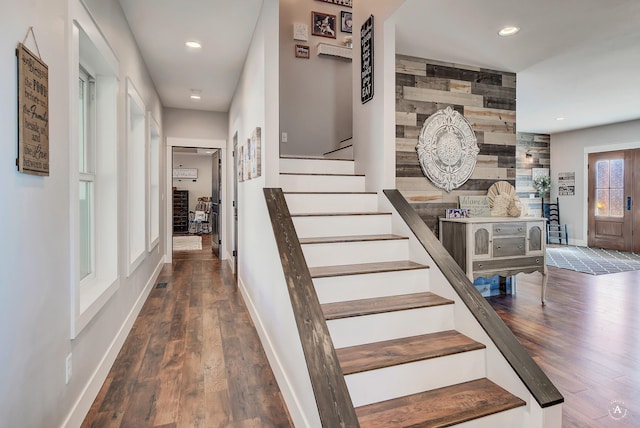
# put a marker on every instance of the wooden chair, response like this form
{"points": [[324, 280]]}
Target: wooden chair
{"points": [[557, 233]]}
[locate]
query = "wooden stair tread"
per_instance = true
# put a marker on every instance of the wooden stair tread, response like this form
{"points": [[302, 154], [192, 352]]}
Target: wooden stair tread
{"points": [[376, 305], [372, 356], [311, 158], [440, 407], [339, 214], [350, 238], [329, 193], [364, 268]]}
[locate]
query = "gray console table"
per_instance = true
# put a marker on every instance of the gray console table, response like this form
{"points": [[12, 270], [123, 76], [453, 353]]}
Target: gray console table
{"points": [[505, 246]]}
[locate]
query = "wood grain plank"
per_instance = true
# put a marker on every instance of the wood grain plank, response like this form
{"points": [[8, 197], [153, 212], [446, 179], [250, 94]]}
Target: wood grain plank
{"points": [[351, 238], [364, 268], [408, 66], [354, 308], [372, 356], [431, 95]]}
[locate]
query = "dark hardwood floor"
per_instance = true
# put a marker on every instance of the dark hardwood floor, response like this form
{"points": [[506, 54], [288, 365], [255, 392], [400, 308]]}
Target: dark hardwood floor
{"points": [[586, 338], [193, 358]]}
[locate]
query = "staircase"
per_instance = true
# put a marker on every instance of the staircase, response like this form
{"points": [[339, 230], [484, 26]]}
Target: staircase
{"points": [[404, 362]]}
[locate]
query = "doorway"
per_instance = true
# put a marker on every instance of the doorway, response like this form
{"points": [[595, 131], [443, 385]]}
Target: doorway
{"points": [[195, 219], [613, 217]]}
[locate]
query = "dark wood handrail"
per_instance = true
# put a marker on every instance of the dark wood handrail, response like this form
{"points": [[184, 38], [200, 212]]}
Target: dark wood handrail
{"points": [[329, 387], [536, 381]]}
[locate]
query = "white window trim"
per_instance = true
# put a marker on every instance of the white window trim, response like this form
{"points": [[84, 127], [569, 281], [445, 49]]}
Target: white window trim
{"points": [[90, 295], [135, 259], [154, 128]]}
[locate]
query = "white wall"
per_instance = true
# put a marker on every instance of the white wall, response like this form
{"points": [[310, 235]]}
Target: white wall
{"points": [[182, 123], [202, 185], [261, 281], [569, 153], [35, 259], [315, 93], [374, 122]]}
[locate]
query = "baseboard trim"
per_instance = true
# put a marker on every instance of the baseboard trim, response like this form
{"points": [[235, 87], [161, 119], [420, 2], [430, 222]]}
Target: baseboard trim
{"points": [[90, 392], [296, 411]]}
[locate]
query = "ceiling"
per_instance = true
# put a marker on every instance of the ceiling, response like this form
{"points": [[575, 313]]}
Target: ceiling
{"points": [[577, 59]]}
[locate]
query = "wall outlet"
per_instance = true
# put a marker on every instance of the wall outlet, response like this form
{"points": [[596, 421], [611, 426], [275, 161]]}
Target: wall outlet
{"points": [[285, 137], [68, 369]]}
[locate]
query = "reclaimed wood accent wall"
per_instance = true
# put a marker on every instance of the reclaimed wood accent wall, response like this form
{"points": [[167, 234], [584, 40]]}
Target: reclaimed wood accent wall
{"points": [[532, 151], [486, 98]]}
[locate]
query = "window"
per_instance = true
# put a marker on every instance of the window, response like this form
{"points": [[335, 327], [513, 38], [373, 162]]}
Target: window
{"points": [[154, 183], [93, 177], [136, 177], [610, 188]]}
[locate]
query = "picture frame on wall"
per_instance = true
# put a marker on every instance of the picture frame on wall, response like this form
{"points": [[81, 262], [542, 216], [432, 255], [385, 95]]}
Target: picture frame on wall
{"points": [[346, 22], [323, 25], [302, 51], [347, 3]]}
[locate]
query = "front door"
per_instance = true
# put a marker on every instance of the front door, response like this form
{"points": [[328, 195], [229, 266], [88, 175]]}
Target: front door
{"points": [[614, 219]]}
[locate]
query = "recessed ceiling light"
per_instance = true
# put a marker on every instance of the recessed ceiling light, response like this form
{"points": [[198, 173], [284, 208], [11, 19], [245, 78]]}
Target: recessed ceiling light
{"points": [[193, 44], [508, 31], [195, 96], [559, 118]]}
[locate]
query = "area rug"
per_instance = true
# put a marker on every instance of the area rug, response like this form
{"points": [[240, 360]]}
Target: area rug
{"points": [[187, 243], [594, 261]]}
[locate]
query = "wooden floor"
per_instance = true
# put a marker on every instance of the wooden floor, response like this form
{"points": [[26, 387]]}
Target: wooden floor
{"points": [[586, 338], [193, 358]]}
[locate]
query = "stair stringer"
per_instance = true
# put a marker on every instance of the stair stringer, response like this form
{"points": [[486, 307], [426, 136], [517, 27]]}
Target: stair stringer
{"points": [[497, 367]]}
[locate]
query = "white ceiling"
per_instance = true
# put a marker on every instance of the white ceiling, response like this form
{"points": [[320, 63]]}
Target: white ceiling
{"points": [[577, 59]]}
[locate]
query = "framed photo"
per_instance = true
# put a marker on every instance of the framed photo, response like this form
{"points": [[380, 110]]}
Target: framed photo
{"points": [[347, 3], [323, 25], [346, 22], [302, 51]]}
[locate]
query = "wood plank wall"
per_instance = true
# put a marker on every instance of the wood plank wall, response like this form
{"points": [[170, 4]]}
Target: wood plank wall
{"points": [[537, 145], [487, 98]]}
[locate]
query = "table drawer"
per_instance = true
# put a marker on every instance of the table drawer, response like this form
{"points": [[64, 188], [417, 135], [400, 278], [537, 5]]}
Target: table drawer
{"points": [[504, 229], [506, 264], [508, 247]]}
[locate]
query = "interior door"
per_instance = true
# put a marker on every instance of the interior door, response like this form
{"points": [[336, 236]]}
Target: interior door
{"points": [[235, 207], [635, 202], [611, 195], [214, 219]]}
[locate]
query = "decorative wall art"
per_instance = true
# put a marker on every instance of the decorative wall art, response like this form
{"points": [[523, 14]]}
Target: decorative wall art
{"points": [[477, 206], [366, 60], [33, 112], [185, 172], [347, 3], [323, 24], [566, 183], [447, 149], [302, 51], [346, 22], [250, 157]]}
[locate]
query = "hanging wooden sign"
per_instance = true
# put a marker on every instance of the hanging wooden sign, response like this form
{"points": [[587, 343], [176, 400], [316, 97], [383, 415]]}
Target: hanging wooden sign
{"points": [[366, 60], [33, 113]]}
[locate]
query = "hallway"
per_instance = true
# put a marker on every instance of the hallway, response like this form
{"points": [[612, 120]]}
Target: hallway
{"points": [[192, 359]]}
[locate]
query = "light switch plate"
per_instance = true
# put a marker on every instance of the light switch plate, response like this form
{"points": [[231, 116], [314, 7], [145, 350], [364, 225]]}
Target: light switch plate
{"points": [[300, 32]]}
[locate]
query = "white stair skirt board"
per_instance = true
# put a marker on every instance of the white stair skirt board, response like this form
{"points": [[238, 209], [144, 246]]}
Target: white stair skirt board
{"points": [[322, 183], [414, 377], [371, 285], [300, 203], [316, 166], [390, 325], [350, 225], [347, 253]]}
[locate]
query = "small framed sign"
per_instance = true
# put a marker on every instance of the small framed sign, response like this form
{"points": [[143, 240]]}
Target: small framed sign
{"points": [[185, 172], [366, 60], [33, 113]]}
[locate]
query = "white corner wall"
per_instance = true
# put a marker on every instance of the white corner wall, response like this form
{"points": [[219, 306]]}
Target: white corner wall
{"points": [[195, 124], [261, 280], [35, 259], [374, 122], [569, 153]]}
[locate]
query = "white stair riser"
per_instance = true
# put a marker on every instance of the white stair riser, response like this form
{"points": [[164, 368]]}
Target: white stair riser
{"points": [[316, 166], [322, 183], [315, 226], [411, 378], [367, 286], [390, 325], [346, 253], [518, 417], [331, 202]]}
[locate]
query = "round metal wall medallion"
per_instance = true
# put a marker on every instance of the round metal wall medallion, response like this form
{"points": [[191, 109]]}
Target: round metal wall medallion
{"points": [[447, 149]]}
